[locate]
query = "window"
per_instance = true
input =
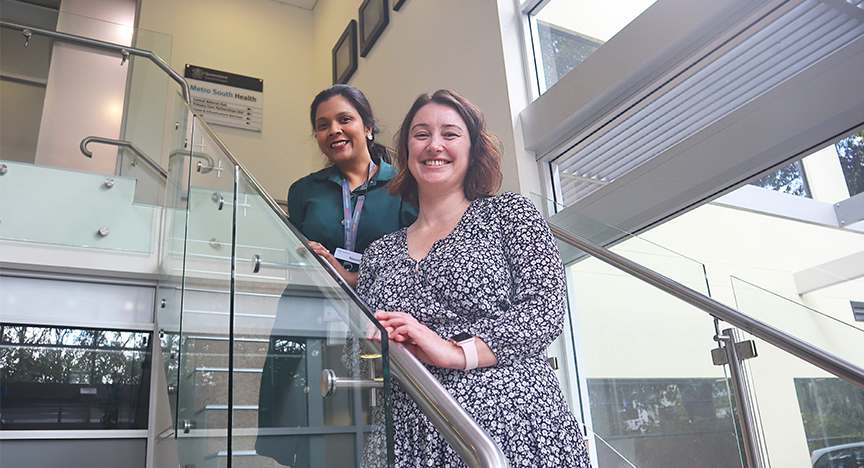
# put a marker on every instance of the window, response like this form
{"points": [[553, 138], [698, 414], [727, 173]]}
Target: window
{"points": [[564, 32], [833, 414], [789, 180], [851, 153], [792, 179], [657, 422], [73, 378]]}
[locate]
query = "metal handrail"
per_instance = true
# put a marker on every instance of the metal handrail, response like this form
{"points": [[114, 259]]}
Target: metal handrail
{"points": [[816, 356], [126, 144], [473, 444], [124, 51]]}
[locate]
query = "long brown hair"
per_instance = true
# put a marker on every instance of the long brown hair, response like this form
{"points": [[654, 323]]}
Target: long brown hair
{"points": [[483, 178]]}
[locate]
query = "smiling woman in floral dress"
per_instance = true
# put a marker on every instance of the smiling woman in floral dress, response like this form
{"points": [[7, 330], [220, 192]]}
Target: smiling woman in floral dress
{"points": [[475, 290]]}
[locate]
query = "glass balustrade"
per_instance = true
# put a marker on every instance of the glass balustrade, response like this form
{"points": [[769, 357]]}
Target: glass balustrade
{"points": [[75, 145], [651, 255], [300, 320], [807, 414], [652, 396], [250, 323]]}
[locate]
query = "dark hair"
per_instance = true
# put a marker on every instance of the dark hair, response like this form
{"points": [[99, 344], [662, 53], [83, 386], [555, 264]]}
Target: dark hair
{"points": [[483, 178], [357, 100]]}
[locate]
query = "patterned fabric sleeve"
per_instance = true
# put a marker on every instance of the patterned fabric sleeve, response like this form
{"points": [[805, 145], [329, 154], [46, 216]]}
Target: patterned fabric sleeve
{"points": [[368, 272], [535, 316]]}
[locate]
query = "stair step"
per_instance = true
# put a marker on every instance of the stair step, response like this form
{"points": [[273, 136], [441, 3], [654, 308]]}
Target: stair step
{"points": [[236, 453], [225, 407]]}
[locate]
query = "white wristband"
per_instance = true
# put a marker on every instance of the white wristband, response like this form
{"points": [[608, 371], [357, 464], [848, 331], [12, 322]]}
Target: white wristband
{"points": [[469, 347]]}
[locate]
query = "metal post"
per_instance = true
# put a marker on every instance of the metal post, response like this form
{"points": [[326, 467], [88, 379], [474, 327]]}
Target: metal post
{"points": [[732, 353]]}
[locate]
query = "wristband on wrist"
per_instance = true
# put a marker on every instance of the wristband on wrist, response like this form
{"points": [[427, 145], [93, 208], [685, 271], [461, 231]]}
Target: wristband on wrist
{"points": [[469, 347]]}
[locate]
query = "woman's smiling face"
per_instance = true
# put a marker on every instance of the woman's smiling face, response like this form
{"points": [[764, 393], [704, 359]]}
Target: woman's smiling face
{"points": [[340, 131], [439, 148]]}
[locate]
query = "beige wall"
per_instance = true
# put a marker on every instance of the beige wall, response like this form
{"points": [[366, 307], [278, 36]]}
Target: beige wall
{"points": [[85, 90], [258, 38], [428, 45]]}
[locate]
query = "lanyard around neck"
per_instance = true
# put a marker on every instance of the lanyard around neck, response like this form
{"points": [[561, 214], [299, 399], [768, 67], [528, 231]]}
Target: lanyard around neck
{"points": [[353, 219]]}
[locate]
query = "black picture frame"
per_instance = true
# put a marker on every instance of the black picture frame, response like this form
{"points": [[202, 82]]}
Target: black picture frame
{"points": [[345, 54], [374, 18], [398, 4]]}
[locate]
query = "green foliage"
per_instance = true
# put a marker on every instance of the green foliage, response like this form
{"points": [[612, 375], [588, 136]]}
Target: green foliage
{"points": [[70, 355], [562, 49], [787, 180], [851, 153], [832, 411]]}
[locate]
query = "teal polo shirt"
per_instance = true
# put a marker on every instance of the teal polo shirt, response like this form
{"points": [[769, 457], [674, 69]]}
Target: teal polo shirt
{"points": [[315, 207]]}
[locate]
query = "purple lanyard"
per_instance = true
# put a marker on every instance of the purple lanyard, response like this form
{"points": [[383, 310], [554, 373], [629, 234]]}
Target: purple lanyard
{"points": [[351, 222]]}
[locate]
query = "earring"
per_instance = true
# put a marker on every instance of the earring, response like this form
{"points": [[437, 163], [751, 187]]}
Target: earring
{"points": [[369, 136]]}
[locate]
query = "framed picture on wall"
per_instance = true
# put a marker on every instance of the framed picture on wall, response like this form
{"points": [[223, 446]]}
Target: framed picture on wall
{"points": [[374, 18], [345, 54], [398, 4]]}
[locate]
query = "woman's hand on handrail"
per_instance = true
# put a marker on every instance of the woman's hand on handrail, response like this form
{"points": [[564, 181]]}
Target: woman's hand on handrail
{"points": [[427, 345], [350, 278]]}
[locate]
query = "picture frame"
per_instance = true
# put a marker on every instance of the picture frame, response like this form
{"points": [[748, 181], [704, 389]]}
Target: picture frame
{"points": [[374, 18], [345, 54], [398, 4]]}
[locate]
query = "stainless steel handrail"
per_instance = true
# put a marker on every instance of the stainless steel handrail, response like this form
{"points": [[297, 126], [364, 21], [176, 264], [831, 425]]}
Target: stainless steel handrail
{"points": [[124, 51], [470, 441], [816, 356], [473, 444], [126, 144]]}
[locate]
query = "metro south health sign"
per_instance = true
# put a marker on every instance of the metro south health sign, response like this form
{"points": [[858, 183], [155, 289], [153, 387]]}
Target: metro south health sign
{"points": [[224, 98]]}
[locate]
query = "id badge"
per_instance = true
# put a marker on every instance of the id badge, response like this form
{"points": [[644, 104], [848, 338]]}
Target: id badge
{"points": [[347, 255]]}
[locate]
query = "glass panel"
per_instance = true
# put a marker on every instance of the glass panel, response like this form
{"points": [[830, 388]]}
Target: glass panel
{"points": [[789, 180], [684, 270], [809, 417], [206, 304], [651, 391], [73, 378], [292, 321], [171, 260], [802, 408], [73, 208], [840, 335], [851, 153], [567, 32], [63, 196]]}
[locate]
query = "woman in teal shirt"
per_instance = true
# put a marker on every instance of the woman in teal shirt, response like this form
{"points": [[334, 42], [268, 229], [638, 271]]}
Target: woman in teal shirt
{"points": [[344, 207], [345, 129]]}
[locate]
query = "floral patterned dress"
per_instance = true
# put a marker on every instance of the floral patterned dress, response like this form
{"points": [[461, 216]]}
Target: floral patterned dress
{"points": [[497, 275]]}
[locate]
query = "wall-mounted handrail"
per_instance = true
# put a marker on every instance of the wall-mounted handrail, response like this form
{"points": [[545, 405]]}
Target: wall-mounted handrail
{"points": [[816, 356], [197, 154], [124, 51], [473, 444], [125, 144]]}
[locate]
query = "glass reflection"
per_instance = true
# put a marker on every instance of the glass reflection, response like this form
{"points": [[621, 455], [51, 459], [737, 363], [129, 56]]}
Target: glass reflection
{"points": [[73, 378]]}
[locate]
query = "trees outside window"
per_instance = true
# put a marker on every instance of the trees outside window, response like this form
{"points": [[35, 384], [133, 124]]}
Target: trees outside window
{"points": [[851, 153]]}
